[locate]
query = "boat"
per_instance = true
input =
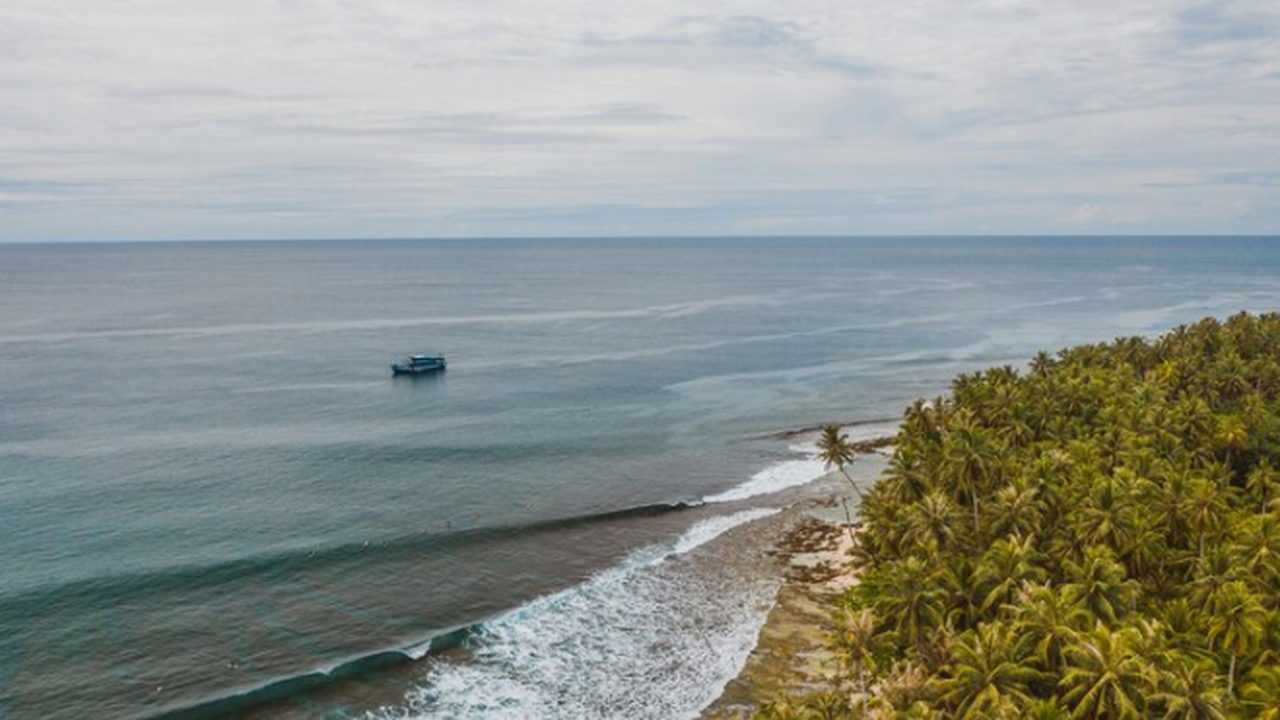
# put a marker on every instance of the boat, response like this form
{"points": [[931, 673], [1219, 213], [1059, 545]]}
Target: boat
{"points": [[416, 364]]}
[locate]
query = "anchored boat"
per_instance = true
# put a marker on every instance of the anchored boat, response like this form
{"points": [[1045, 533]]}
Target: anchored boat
{"points": [[416, 364]]}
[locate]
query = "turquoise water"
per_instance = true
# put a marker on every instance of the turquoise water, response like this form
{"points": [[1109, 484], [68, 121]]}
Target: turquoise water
{"points": [[212, 489]]}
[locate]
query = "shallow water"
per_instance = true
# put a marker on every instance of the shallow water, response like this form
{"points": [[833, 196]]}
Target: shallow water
{"points": [[211, 487]]}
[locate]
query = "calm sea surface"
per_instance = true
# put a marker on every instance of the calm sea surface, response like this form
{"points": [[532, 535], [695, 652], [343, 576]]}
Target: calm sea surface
{"points": [[215, 499]]}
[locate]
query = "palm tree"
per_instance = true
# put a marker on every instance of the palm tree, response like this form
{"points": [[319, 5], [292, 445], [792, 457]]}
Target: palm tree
{"points": [[834, 449], [1044, 709], [1053, 620], [1018, 508], [1041, 363], [932, 522], [1230, 437], [912, 599], [1105, 517], [1206, 510], [826, 705], [1145, 554], [855, 638], [1007, 567], [906, 479], [1217, 568], [1171, 505], [988, 670], [778, 709], [1236, 624], [1190, 691], [970, 459], [1258, 546], [1262, 481], [1099, 583], [1260, 696], [1106, 679]]}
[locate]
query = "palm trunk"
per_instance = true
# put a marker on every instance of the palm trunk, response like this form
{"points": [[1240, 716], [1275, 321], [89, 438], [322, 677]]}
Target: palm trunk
{"points": [[862, 688], [852, 484], [848, 522], [1231, 676], [973, 497]]}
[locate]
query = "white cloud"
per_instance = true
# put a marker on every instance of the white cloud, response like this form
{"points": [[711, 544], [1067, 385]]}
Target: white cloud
{"points": [[149, 118]]}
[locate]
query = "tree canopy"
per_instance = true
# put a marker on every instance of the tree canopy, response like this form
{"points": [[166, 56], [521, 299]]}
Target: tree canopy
{"points": [[1096, 537]]}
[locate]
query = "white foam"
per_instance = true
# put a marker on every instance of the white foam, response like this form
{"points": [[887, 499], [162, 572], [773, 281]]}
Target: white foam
{"points": [[777, 477], [647, 639], [708, 530]]}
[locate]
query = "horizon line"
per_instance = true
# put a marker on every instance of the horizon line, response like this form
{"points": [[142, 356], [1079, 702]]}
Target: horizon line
{"points": [[611, 238]]}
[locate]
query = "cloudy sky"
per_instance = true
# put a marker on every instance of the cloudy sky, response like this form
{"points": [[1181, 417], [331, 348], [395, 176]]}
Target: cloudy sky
{"points": [[152, 119]]}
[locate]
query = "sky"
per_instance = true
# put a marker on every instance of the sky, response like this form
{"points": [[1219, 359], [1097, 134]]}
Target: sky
{"points": [[163, 119]]}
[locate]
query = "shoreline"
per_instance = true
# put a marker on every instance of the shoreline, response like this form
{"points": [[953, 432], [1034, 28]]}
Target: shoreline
{"points": [[811, 552]]}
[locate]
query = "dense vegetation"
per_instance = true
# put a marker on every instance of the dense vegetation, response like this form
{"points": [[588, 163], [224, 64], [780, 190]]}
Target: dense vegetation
{"points": [[1097, 537]]}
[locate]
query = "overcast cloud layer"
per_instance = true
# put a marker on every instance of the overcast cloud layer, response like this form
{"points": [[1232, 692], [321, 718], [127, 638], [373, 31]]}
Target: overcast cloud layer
{"points": [[373, 118]]}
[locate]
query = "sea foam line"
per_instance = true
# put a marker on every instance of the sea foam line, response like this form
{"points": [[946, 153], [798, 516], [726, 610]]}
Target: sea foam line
{"points": [[650, 638], [777, 477]]}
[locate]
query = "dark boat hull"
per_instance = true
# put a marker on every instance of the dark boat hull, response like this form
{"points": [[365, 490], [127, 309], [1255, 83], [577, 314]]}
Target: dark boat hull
{"points": [[417, 368]]}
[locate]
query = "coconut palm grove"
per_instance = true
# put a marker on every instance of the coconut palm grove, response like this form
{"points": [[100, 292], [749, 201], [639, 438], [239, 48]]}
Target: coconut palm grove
{"points": [[1097, 537]]}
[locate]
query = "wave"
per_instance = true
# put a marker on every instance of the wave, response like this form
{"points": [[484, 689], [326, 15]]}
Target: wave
{"points": [[278, 565], [568, 608], [281, 689], [647, 639], [777, 477]]}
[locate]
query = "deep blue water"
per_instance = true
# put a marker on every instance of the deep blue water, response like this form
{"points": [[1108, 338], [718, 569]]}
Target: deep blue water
{"points": [[210, 483]]}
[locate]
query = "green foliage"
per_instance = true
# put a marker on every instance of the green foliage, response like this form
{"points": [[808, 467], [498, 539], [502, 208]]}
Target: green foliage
{"points": [[1098, 538]]}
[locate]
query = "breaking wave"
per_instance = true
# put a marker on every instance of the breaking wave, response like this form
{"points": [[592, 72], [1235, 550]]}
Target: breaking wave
{"points": [[649, 638]]}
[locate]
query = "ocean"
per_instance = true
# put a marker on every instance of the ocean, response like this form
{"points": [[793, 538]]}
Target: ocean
{"points": [[216, 501]]}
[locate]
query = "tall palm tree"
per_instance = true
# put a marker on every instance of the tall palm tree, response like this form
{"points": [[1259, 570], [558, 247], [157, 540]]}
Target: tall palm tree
{"points": [[970, 460], [906, 479], [1190, 691], [855, 638], [1236, 624], [1217, 568], [1258, 546], [1105, 516], [1145, 554], [932, 522], [1018, 509], [1262, 482], [988, 670], [1044, 709], [1099, 583], [834, 449], [912, 600], [1260, 696], [779, 709], [1006, 568], [1205, 512], [1105, 678], [1053, 620], [1041, 363], [826, 705]]}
